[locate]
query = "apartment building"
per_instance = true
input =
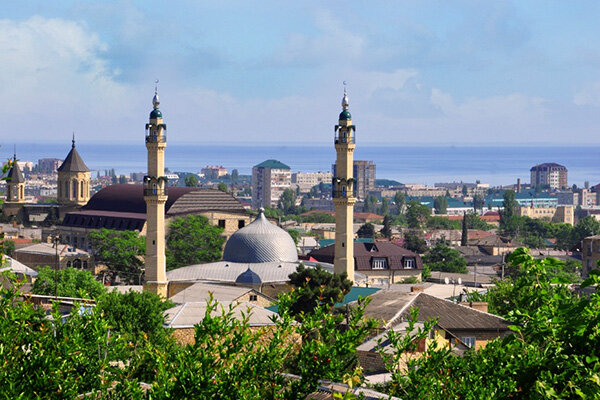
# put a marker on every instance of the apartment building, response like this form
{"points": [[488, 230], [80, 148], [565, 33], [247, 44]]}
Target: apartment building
{"points": [[269, 179]]}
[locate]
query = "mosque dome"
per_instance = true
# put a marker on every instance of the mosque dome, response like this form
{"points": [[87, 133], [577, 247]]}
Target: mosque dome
{"points": [[155, 114], [260, 242]]}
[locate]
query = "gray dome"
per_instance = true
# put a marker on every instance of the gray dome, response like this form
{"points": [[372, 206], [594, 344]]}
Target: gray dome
{"points": [[260, 242]]}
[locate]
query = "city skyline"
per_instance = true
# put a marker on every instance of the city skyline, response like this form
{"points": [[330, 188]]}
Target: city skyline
{"points": [[418, 72]]}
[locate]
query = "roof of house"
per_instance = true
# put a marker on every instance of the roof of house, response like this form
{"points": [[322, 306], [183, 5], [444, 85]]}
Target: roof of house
{"points": [[14, 266], [202, 291], [273, 164], [548, 165], [73, 162], [64, 250], [188, 314], [365, 252], [392, 307]]}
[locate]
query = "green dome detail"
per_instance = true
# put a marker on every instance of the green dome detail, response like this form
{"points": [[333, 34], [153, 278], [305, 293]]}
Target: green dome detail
{"points": [[345, 115], [155, 114]]}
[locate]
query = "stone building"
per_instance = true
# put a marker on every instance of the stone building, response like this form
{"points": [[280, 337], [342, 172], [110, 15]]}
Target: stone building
{"points": [[590, 249], [15, 190], [553, 175], [73, 186]]}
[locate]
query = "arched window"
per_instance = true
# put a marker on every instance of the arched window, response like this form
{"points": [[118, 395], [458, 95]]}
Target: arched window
{"points": [[69, 264], [67, 189], [154, 188], [22, 192], [77, 264], [75, 189], [81, 187]]}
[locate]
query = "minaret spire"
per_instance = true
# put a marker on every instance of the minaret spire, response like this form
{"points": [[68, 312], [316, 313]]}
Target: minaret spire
{"points": [[343, 187], [73, 141]]}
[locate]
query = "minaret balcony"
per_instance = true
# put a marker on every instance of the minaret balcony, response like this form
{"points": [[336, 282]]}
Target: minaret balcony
{"points": [[157, 191], [343, 194], [343, 139], [156, 138]]}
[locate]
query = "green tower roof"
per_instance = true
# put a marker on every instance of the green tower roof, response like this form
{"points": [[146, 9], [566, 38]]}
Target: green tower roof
{"points": [[345, 115], [273, 164], [155, 114]]}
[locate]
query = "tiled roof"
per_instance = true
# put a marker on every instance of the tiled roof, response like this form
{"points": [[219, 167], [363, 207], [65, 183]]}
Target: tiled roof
{"points": [[365, 252], [392, 308], [206, 200], [129, 198]]}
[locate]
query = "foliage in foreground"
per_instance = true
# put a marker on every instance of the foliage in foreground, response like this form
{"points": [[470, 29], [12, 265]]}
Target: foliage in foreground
{"points": [[553, 353]]}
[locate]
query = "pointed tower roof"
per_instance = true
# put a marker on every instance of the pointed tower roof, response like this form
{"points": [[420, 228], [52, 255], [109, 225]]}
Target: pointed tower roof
{"points": [[73, 162], [14, 174]]}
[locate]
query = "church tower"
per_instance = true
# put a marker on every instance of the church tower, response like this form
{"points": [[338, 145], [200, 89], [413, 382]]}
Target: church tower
{"points": [[15, 189], [73, 187], [343, 187], [155, 195]]}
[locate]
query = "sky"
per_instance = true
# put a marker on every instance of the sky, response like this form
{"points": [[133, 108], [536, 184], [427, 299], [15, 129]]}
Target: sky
{"points": [[420, 72]]}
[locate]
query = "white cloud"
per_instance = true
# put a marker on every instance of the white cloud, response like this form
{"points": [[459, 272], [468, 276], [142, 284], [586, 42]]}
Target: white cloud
{"points": [[589, 95]]}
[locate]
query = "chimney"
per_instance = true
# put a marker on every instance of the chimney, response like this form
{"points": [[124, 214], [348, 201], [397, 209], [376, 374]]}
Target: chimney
{"points": [[518, 185]]}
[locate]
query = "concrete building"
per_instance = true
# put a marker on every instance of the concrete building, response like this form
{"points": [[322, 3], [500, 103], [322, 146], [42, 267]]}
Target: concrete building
{"points": [[560, 214], [213, 171], [48, 165], [551, 174], [364, 173], [307, 180], [269, 179], [344, 192], [73, 180], [590, 249]]}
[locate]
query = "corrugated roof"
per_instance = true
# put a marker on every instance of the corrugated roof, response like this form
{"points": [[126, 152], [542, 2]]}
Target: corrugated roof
{"points": [[206, 200], [273, 164], [188, 314]]}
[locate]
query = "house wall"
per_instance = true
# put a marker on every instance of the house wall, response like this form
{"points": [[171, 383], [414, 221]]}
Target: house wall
{"points": [[385, 276], [591, 254]]}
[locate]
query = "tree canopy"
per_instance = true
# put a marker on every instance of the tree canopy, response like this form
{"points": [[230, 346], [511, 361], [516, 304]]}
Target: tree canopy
{"points": [[416, 214], [366, 230], [193, 240], [317, 287], [121, 251], [69, 282], [443, 258]]}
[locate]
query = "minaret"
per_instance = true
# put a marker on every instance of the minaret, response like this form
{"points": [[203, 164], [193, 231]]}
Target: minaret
{"points": [[155, 195], [15, 184], [343, 187]]}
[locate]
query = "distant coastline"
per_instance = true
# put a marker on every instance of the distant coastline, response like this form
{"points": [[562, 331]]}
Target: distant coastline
{"points": [[496, 165]]}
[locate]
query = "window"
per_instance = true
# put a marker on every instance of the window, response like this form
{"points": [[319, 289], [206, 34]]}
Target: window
{"points": [[469, 341], [75, 189], [409, 263], [81, 187], [67, 189], [221, 223], [253, 297], [379, 263], [241, 223]]}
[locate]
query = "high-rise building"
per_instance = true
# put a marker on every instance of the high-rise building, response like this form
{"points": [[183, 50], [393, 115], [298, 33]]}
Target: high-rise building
{"points": [[73, 187], [343, 184], [307, 180], [551, 174], [48, 165], [364, 173], [269, 179], [155, 195]]}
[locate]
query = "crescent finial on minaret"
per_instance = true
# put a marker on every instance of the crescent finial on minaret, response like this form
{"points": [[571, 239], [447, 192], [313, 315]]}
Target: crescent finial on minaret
{"points": [[155, 100], [345, 102]]}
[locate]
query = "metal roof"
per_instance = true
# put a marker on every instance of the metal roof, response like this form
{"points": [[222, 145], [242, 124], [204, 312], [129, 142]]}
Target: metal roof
{"points": [[188, 314], [202, 291], [273, 164], [260, 242], [226, 271], [14, 266]]}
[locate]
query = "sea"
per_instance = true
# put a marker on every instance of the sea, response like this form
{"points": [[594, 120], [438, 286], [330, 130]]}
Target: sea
{"points": [[496, 165]]}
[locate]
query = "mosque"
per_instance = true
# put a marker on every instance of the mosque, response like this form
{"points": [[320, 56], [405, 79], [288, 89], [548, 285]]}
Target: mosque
{"points": [[259, 255]]}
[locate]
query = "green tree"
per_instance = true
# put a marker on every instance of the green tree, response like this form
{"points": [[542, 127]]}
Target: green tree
{"points": [[440, 204], [386, 231], [414, 243], [287, 201], [445, 259], [416, 214], [295, 235], [385, 207], [191, 180], [464, 190], [318, 287], [222, 186], [69, 282], [192, 240], [439, 222], [478, 202], [509, 220], [121, 251], [400, 201], [366, 231], [464, 237]]}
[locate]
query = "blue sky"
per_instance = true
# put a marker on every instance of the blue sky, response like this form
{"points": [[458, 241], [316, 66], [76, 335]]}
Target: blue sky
{"points": [[418, 72]]}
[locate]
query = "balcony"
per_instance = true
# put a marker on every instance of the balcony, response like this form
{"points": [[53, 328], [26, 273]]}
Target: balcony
{"points": [[156, 138], [343, 140], [342, 194], [155, 191]]}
